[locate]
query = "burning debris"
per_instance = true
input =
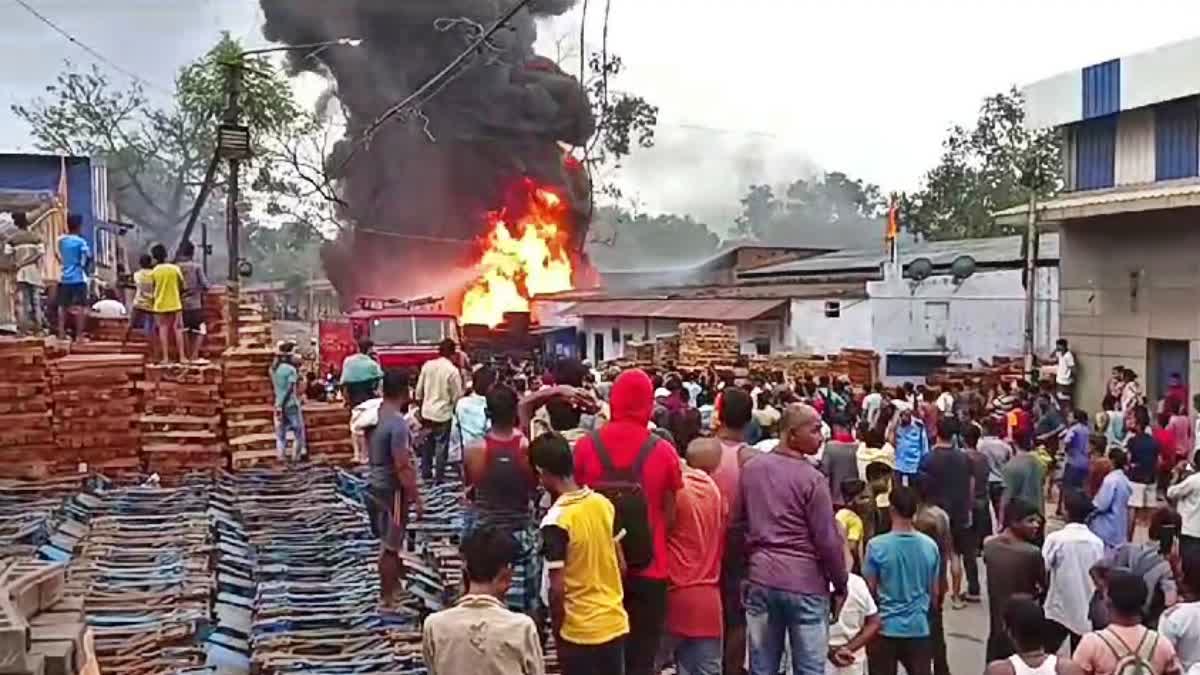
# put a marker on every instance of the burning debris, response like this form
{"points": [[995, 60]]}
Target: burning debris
{"points": [[525, 252], [419, 193]]}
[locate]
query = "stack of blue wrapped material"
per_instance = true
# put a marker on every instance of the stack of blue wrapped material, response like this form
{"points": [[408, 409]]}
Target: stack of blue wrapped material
{"points": [[140, 559], [315, 607]]}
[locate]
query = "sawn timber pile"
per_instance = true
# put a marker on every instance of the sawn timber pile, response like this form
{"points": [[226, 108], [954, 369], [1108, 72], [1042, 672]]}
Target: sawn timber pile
{"points": [[27, 447], [96, 410], [181, 421]]}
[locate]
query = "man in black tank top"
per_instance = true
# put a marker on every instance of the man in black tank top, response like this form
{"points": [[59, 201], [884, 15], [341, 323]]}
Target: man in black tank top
{"points": [[501, 486]]}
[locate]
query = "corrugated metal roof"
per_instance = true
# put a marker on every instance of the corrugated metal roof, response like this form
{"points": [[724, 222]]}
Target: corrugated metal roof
{"points": [[702, 310], [1176, 140], [1179, 194], [991, 251], [1102, 89], [748, 291]]}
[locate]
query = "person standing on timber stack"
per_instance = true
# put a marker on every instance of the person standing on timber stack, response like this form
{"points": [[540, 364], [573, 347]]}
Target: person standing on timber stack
{"points": [[74, 255], [392, 482], [142, 315], [195, 283], [27, 251], [288, 416], [168, 303], [439, 386]]}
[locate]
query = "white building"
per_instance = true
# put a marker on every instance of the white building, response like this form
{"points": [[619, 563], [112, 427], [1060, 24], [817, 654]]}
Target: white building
{"points": [[822, 304]]}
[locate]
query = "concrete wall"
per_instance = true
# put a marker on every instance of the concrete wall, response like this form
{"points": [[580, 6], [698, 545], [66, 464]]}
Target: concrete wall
{"points": [[811, 332], [982, 317], [1126, 280]]}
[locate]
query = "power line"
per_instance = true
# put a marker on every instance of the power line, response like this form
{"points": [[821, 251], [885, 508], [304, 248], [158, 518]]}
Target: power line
{"points": [[430, 83], [78, 43]]}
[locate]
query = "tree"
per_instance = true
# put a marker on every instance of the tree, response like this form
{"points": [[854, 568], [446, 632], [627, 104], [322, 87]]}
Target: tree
{"points": [[289, 253], [638, 239], [157, 155], [828, 210], [984, 170]]}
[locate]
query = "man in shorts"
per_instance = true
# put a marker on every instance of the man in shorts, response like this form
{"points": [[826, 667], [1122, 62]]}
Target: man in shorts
{"points": [[195, 283], [392, 483], [75, 256], [141, 317]]}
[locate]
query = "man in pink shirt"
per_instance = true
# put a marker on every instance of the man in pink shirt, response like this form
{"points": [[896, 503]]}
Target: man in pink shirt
{"points": [[734, 411], [694, 549]]}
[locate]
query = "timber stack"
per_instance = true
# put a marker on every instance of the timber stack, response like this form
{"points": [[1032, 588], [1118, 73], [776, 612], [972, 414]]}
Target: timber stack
{"points": [[96, 411], [41, 631], [249, 406], [27, 449], [327, 428], [666, 351], [181, 419], [215, 312], [640, 354], [707, 345], [254, 328]]}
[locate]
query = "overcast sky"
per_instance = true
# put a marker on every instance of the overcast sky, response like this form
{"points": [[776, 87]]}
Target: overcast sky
{"points": [[749, 91]]}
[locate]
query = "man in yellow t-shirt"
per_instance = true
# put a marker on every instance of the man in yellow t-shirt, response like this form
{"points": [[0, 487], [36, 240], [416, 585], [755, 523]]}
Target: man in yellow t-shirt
{"points": [[142, 316], [583, 566], [168, 303]]}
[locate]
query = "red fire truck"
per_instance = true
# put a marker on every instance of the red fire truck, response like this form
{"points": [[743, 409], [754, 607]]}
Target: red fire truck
{"points": [[406, 333]]}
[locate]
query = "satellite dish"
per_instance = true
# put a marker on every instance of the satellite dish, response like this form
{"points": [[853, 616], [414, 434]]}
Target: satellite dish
{"points": [[919, 269], [962, 268]]}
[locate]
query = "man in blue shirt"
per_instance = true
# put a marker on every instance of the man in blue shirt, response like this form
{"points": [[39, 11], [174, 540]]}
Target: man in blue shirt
{"points": [[911, 443], [75, 256], [286, 380], [361, 374], [902, 571], [1110, 520]]}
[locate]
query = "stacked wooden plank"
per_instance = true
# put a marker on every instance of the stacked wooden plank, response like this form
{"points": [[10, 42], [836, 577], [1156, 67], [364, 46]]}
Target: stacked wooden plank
{"points": [[96, 410], [215, 319], [639, 354], [327, 427], [707, 345], [181, 422], [40, 631], [27, 447], [666, 351], [110, 330], [861, 366], [1001, 372], [249, 406], [254, 328]]}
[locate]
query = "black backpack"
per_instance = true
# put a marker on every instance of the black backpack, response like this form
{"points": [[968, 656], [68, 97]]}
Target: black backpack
{"points": [[623, 487]]}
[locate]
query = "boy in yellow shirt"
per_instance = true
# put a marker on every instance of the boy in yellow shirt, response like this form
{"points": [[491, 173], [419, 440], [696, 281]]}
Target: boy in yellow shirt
{"points": [[168, 303], [583, 566]]}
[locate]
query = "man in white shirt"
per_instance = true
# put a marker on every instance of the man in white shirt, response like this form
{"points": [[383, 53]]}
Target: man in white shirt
{"points": [[109, 307], [945, 400], [873, 405], [27, 251], [439, 387], [1181, 624], [1070, 554], [1064, 375], [1185, 495]]}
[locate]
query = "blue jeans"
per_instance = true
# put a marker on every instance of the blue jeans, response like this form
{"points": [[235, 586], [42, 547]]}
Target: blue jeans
{"points": [[292, 419], [803, 619], [692, 656]]}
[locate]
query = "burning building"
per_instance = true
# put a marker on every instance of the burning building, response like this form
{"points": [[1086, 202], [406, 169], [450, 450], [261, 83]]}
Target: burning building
{"points": [[473, 192]]}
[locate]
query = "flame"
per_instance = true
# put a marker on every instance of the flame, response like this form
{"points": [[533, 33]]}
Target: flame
{"points": [[520, 259]]}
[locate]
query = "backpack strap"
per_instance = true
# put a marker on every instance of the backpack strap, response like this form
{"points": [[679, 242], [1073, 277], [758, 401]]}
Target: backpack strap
{"points": [[602, 454], [1112, 648], [643, 455]]}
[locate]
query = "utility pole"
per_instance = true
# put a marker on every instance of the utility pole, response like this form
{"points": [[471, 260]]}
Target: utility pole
{"points": [[233, 227], [205, 249], [1031, 252]]}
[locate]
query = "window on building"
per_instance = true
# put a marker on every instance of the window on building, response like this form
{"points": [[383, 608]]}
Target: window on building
{"points": [[913, 365], [1095, 153], [833, 309], [598, 343], [1177, 140], [106, 248], [616, 335]]}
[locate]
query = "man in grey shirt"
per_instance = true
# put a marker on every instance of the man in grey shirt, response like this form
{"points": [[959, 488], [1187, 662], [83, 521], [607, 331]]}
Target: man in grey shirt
{"points": [[195, 283], [839, 461], [998, 452]]}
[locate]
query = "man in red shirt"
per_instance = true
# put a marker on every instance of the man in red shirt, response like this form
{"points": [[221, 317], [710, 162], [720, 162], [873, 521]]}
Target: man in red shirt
{"points": [[694, 549], [631, 402]]}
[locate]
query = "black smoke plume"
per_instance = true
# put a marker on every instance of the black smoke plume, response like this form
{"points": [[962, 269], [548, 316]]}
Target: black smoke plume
{"points": [[501, 118]]}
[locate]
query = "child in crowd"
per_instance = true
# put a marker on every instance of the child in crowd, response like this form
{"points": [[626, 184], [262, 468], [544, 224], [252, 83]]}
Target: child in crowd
{"points": [[857, 624], [879, 479], [850, 517]]}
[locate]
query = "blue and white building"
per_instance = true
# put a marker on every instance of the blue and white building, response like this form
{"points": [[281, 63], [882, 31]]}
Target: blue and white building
{"points": [[1130, 215]]}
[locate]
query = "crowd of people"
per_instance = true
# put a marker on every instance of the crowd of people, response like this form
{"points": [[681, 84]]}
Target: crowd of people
{"points": [[725, 525], [168, 300]]}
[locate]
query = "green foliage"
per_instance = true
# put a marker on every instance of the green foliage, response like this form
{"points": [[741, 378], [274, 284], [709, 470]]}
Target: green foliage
{"points": [[810, 211], [157, 153], [288, 253], [632, 240], [984, 170]]}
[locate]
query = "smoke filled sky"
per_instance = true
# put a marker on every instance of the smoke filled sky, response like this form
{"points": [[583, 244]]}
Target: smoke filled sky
{"points": [[753, 91]]}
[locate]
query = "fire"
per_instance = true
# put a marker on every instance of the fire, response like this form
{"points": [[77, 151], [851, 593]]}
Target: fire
{"points": [[523, 255]]}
